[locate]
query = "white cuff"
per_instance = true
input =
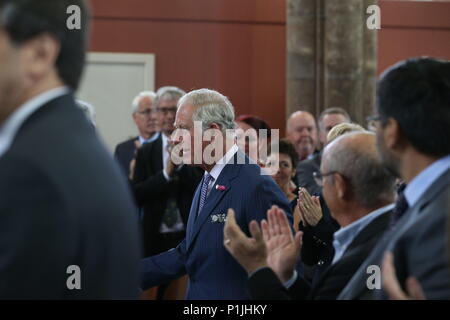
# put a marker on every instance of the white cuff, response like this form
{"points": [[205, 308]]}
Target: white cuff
{"points": [[291, 281], [166, 175]]}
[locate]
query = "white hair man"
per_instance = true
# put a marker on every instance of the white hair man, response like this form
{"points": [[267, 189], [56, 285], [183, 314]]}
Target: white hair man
{"points": [[213, 273], [144, 116]]}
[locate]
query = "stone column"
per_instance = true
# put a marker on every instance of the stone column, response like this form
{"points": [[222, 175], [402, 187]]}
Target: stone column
{"points": [[331, 57]]}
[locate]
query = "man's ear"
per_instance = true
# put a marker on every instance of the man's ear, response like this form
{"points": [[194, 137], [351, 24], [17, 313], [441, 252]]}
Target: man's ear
{"points": [[39, 56], [216, 127], [341, 185], [392, 133]]}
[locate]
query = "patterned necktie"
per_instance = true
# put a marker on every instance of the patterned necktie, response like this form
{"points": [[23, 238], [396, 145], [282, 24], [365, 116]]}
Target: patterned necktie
{"points": [[171, 213], [204, 191]]}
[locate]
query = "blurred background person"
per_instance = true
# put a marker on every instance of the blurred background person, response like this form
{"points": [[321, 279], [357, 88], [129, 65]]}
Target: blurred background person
{"points": [[327, 120], [255, 143], [143, 111], [88, 110], [286, 159], [301, 130]]}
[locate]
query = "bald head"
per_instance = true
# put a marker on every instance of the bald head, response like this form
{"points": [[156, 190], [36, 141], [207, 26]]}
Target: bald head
{"points": [[301, 130], [354, 156]]}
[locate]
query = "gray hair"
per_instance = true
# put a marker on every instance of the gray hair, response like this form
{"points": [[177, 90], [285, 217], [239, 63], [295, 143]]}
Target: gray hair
{"points": [[88, 110], [211, 107], [137, 99], [169, 93], [370, 182], [333, 110]]}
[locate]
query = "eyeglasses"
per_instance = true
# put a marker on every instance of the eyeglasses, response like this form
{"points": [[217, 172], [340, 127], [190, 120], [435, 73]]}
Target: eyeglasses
{"points": [[165, 111], [318, 176], [147, 112]]}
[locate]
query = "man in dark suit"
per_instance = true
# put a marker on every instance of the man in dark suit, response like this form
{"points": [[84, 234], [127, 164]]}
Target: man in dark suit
{"points": [[145, 118], [329, 118], [65, 226], [163, 189], [413, 126], [359, 193], [230, 181]]}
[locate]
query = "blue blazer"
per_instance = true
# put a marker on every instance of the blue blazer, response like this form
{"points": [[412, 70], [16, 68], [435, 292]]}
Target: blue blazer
{"points": [[213, 272]]}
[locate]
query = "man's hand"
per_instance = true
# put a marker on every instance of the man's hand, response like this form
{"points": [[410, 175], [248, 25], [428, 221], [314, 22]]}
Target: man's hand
{"points": [[392, 286], [310, 209], [282, 248], [170, 166], [249, 252]]}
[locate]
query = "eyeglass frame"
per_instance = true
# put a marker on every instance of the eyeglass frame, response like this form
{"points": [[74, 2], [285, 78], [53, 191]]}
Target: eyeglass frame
{"points": [[147, 112], [318, 176], [166, 110]]}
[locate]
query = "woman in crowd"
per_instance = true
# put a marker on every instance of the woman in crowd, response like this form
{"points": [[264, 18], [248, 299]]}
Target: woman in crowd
{"points": [[287, 159], [255, 142]]}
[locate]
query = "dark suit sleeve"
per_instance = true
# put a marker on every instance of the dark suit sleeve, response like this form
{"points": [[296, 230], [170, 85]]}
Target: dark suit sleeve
{"points": [[265, 285], [147, 186], [32, 220], [164, 267], [318, 240], [266, 195], [423, 254]]}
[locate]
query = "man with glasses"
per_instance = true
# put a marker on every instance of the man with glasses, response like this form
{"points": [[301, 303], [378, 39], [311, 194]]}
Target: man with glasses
{"points": [[144, 116], [359, 193], [413, 127], [161, 188]]}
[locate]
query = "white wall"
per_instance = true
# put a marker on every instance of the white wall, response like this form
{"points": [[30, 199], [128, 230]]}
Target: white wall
{"points": [[110, 83]]}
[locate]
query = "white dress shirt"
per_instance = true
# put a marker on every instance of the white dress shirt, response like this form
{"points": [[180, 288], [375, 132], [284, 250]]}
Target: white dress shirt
{"points": [[218, 167]]}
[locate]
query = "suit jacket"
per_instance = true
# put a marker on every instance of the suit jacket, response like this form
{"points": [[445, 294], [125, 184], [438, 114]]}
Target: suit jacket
{"points": [[213, 272], [152, 190], [264, 284], [418, 244], [64, 202], [124, 153], [305, 170]]}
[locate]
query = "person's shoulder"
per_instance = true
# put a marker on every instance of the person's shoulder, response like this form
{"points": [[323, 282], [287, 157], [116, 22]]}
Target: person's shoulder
{"points": [[126, 143], [313, 162]]}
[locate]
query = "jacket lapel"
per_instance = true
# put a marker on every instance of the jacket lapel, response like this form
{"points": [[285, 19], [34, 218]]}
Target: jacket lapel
{"points": [[157, 156], [229, 172], [193, 214]]}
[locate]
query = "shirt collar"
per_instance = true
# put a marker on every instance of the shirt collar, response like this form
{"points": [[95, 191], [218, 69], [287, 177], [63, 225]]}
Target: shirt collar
{"points": [[417, 187], [217, 169], [153, 138], [13, 123], [347, 234]]}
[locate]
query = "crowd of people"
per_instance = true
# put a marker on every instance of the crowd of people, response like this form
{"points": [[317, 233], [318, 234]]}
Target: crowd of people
{"points": [[331, 211]]}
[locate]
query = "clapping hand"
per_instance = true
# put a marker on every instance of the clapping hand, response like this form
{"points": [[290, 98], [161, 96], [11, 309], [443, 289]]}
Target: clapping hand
{"points": [[282, 248], [310, 209], [274, 246], [251, 252]]}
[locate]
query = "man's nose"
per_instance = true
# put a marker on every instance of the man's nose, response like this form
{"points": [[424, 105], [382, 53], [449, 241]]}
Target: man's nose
{"points": [[305, 132]]}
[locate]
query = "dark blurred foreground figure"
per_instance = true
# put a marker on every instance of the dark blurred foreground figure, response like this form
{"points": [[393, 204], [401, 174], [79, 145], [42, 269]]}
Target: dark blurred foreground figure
{"points": [[67, 228], [413, 126]]}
